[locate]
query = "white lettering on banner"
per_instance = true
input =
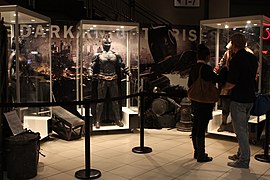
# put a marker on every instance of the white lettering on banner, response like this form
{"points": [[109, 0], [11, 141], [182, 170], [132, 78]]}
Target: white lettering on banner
{"points": [[192, 35], [145, 31], [86, 34], [68, 32], [39, 31], [184, 35], [55, 30], [25, 30]]}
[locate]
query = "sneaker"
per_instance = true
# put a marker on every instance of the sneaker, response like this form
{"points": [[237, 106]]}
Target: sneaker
{"points": [[238, 164], [233, 157]]}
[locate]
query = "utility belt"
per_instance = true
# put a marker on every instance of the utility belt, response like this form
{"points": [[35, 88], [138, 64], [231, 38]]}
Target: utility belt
{"points": [[107, 77]]}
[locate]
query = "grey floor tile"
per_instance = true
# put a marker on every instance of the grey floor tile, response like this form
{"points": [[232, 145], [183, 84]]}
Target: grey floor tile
{"points": [[171, 158]]}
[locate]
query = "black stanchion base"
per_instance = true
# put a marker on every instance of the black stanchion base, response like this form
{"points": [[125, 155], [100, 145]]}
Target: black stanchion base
{"points": [[262, 158], [94, 174], [142, 150]]}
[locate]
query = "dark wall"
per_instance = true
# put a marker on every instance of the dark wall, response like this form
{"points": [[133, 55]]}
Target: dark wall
{"points": [[219, 9], [177, 15], [248, 8], [208, 9]]}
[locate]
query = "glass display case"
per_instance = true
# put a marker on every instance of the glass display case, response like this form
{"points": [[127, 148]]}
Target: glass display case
{"points": [[29, 58], [108, 67], [216, 33]]}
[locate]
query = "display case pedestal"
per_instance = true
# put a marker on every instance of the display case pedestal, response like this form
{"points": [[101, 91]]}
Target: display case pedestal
{"points": [[37, 124], [256, 125]]}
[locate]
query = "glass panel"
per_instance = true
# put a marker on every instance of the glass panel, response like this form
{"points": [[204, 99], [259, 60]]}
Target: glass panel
{"points": [[265, 71], [124, 42], [29, 57], [216, 37], [108, 55], [216, 34]]}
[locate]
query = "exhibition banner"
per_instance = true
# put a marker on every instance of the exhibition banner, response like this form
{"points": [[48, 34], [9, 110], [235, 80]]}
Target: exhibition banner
{"points": [[64, 37]]}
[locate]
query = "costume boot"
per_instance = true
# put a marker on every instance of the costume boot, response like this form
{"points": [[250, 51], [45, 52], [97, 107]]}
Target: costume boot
{"points": [[97, 124], [202, 156], [223, 124], [119, 123]]}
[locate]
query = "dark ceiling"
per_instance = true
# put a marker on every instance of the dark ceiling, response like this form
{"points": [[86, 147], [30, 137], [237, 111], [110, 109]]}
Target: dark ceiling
{"points": [[75, 10], [55, 9], [247, 7]]}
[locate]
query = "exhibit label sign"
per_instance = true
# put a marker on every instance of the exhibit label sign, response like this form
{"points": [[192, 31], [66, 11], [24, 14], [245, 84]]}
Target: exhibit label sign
{"points": [[186, 3]]}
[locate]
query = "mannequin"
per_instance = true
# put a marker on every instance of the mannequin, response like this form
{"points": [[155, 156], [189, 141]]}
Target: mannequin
{"points": [[222, 69], [224, 64], [107, 69]]}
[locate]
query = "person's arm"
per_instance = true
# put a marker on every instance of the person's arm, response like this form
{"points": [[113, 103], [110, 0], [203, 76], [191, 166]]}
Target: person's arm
{"points": [[209, 75], [225, 89], [228, 86], [232, 77]]}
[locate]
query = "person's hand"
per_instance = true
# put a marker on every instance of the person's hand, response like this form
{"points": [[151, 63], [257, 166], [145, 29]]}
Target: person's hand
{"points": [[126, 71], [224, 91], [216, 69]]}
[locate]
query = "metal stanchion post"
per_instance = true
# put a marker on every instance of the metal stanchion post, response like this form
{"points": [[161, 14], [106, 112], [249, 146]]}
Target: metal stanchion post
{"points": [[142, 149], [265, 156], [1, 145], [87, 173]]}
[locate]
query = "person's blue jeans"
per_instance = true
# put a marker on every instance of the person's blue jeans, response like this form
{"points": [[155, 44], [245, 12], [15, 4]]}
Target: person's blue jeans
{"points": [[240, 113]]}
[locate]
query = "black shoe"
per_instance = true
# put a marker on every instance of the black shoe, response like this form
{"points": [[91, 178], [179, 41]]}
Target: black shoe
{"points": [[97, 125], [195, 155], [119, 123], [204, 159]]}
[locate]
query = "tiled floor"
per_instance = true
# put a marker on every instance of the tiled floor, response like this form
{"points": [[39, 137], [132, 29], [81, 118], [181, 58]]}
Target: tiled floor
{"points": [[171, 158]]}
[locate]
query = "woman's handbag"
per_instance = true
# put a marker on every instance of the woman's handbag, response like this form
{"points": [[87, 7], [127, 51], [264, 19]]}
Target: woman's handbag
{"points": [[203, 91], [261, 105]]}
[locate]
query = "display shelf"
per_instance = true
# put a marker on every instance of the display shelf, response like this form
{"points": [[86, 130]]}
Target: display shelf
{"points": [[256, 124], [215, 123], [130, 120]]}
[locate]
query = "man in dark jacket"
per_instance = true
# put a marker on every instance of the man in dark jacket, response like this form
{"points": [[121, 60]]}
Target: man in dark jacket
{"points": [[241, 80]]}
